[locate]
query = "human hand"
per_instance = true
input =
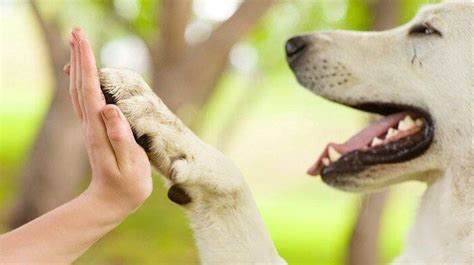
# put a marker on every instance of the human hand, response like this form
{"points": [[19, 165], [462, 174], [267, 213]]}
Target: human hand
{"points": [[121, 173], [121, 176]]}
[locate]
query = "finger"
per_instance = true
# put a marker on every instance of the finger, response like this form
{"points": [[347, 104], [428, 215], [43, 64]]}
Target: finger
{"points": [[78, 78], [91, 104], [72, 83], [94, 99], [120, 135]]}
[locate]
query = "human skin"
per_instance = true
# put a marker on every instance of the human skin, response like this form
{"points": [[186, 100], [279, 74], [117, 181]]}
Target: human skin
{"points": [[120, 181]]}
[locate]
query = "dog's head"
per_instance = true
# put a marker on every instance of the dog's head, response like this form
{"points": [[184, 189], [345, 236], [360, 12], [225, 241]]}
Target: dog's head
{"points": [[419, 75]]}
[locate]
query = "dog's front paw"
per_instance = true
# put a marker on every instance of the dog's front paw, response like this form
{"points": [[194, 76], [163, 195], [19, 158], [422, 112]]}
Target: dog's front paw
{"points": [[193, 169], [163, 136]]}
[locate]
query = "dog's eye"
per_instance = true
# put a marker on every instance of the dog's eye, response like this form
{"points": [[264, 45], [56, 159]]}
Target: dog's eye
{"points": [[423, 29]]}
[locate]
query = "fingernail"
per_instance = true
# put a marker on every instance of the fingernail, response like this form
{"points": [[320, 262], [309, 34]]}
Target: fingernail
{"points": [[66, 68], [110, 113]]}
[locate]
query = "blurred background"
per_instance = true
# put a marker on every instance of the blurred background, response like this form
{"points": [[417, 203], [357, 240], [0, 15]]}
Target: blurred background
{"points": [[220, 65]]}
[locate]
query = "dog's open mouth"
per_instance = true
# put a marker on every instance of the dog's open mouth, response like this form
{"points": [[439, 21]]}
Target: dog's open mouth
{"points": [[403, 134]]}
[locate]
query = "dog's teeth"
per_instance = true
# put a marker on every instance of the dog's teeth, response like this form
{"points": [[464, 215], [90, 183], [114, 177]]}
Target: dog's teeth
{"points": [[333, 154], [391, 133], [406, 124], [419, 122], [376, 141], [326, 161]]}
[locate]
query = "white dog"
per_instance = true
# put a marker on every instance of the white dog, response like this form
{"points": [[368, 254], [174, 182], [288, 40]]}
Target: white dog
{"points": [[418, 75]]}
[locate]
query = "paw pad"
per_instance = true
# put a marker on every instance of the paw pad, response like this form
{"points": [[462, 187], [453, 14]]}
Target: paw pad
{"points": [[177, 195]]}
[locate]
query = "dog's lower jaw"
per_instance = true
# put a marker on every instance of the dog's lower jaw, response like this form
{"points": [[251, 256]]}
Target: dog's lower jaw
{"points": [[231, 231]]}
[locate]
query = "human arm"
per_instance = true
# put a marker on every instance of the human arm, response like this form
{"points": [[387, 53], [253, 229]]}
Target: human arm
{"points": [[120, 182]]}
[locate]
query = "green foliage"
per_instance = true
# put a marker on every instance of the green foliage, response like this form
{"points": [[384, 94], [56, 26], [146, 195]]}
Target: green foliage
{"points": [[287, 19], [359, 16], [410, 7]]}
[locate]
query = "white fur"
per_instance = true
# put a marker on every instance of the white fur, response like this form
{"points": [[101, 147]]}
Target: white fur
{"points": [[224, 217], [429, 72]]}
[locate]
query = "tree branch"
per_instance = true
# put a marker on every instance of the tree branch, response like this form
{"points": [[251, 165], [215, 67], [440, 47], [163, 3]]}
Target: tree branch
{"points": [[54, 43], [228, 33], [190, 82], [125, 23], [363, 246], [174, 16]]}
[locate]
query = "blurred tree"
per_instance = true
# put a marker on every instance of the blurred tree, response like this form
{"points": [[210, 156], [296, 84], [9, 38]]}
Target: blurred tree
{"points": [[57, 158], [184, 76], [364, 242]]}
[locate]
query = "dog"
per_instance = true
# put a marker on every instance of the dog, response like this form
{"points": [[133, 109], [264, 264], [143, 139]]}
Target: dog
{"points": [[419, 76]]}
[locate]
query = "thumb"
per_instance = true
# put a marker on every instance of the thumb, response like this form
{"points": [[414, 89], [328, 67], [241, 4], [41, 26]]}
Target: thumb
{"points": [[119, 133]]}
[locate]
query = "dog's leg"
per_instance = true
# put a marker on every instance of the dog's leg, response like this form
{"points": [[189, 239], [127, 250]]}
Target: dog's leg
{"points": [[225, 220]]}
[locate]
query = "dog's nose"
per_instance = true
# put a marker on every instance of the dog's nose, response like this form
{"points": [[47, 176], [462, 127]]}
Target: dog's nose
{"points": [[295, 47]]}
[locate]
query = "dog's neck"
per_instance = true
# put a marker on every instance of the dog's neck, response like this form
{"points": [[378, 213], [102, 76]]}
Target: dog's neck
{"points": [[232, 232], [445, 219], [444, 223]]}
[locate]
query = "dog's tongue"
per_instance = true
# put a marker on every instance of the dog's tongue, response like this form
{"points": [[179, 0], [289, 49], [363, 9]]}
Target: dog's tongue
{"points": [[359, 141]]}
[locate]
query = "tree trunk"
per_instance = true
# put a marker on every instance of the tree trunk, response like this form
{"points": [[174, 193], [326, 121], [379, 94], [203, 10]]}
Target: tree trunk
{"points": [[56, 162], [174, 18], [363, 247], [364, 243], [386, 14]]}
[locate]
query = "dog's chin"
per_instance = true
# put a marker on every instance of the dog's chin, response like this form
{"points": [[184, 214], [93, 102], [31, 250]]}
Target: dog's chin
{"points": [[377, 177], [370, 180], [360, 183]]}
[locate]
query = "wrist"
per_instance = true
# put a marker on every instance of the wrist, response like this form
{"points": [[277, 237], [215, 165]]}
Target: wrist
{"points": [[106, 206]]}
